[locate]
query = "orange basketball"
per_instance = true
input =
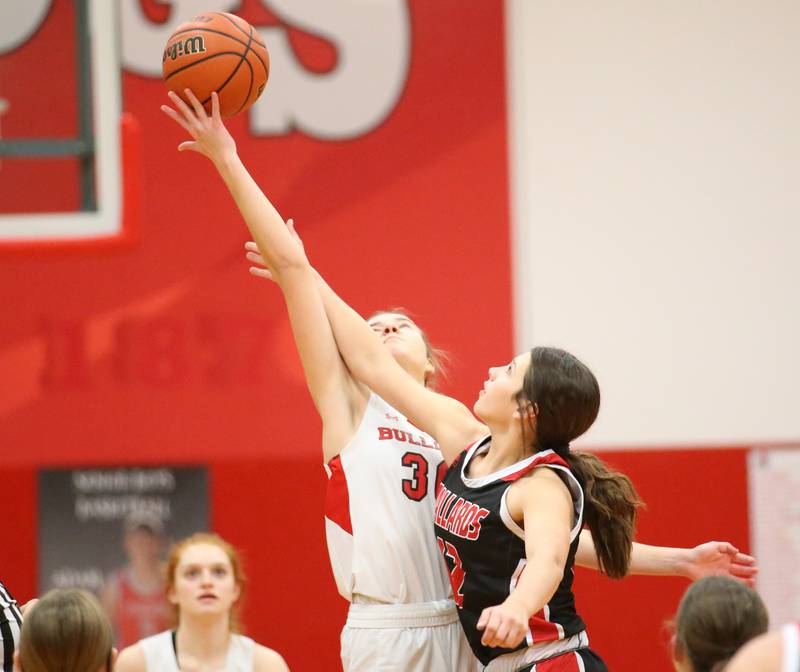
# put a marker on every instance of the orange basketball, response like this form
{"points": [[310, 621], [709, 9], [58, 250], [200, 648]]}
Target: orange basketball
{"points": [[218, 52]]}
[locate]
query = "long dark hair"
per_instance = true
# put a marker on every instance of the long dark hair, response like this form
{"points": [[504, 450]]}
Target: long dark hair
{"points": [[565, 398], [717, 615]]}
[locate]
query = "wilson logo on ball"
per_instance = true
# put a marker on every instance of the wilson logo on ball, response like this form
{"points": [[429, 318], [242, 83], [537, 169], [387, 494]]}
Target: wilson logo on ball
{"points": [[191, 45]]}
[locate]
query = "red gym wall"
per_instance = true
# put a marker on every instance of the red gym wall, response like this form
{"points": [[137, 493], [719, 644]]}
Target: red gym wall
{"points": [[164, 350]]}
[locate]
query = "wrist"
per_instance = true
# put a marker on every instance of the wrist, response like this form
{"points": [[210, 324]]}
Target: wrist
{"points": [[681, 562], [226, 160], [518, 604]]}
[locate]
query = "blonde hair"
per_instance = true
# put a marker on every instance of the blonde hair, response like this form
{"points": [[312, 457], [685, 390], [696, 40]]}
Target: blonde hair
{"points": [[174, 558], [67, 630]]}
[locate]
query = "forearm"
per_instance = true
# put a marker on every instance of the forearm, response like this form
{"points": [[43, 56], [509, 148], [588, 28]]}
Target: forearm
{"points": [[645, 559], [658, 560], [538, 584], [262, 218]]}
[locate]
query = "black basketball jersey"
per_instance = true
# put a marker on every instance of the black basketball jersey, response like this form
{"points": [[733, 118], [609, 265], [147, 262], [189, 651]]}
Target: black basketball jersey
{"points": [[484, 548]]}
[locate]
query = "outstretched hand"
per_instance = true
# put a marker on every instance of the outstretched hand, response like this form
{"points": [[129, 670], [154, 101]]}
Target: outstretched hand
{"points": [[720, 557], [254, 256], [209, 135]]}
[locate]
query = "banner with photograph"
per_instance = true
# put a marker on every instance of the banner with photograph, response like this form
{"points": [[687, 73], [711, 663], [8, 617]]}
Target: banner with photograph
{"points": [[108, 529]]}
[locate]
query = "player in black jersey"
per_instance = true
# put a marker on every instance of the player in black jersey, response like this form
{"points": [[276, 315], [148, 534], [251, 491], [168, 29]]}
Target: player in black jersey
{"points": [[511, 507]]}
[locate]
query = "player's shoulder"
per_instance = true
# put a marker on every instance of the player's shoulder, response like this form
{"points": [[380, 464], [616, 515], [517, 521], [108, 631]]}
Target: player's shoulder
{"points": [[131, 659], [762, 653], [538, 470], [539, 488], [267, 660]]}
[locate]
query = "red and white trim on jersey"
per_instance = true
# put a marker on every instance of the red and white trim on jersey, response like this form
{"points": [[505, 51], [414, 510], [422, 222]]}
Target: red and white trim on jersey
{"points": [[568, 663], [544, 459], [558, 656], [791, 648], [337, 497]]}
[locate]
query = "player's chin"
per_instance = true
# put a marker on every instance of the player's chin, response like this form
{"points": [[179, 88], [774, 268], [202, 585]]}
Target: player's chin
{"points": [[396, 347], [478, 408]]}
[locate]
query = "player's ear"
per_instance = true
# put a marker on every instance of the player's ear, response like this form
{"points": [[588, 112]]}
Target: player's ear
{"points": [[430, 369], [526, 411], [677, 653]]}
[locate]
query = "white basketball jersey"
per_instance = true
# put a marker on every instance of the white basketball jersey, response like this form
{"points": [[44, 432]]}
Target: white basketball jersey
{"points": [[159, 653], [791, 647], [379, 511]]}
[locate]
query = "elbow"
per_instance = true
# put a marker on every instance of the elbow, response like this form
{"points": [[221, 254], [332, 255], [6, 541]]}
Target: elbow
{"points": [[369, 363], [364, 368]]}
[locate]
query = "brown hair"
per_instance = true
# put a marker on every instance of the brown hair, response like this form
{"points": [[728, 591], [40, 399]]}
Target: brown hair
{"points": [[239, 577], [716, 616], [566, 399], [438, 358], [67, 630]]}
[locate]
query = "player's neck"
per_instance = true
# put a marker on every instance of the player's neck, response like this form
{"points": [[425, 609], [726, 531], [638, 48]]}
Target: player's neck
{"points": [[413, 370], [203, 637], [506, 448]]}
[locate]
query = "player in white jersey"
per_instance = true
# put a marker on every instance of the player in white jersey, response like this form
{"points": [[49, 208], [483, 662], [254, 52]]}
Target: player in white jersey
{"points": [[382, 470], [204, 585], [161, 653], [382, 479], [382, 549], [777, 651]]}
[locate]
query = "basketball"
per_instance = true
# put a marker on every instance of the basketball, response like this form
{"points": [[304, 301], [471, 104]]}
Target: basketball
{"points": [[218, 52]]}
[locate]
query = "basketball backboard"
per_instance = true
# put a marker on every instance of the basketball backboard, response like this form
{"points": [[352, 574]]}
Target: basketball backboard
{"points": [[70, 169]]}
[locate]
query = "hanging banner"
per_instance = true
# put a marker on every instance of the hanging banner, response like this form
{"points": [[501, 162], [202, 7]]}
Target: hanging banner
{"points": [[108, 529]]}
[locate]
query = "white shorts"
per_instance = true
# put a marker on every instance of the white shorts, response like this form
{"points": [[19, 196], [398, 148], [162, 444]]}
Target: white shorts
{"points": [[424, 637]]}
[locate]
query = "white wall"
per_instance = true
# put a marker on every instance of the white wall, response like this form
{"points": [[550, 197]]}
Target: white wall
{"points": [[655, 152]]}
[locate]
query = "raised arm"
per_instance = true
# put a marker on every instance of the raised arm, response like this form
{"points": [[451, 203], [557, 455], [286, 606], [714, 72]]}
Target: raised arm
{"points": [[447, 420], [339, 400], [713, 557], [456, 438]]}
